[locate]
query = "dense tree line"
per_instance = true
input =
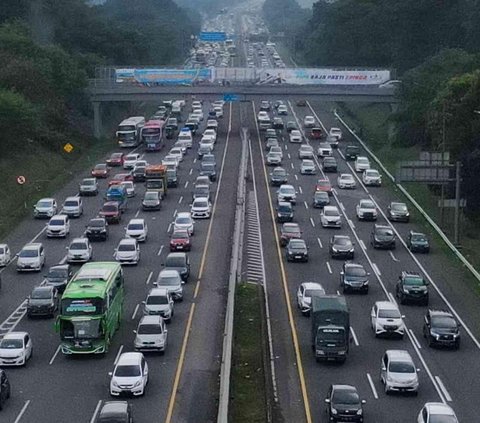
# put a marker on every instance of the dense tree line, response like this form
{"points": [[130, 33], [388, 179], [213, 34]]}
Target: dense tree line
{"points": [[285, 16]]}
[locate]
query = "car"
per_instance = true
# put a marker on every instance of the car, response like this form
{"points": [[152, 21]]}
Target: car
{"points": [[418, 242], [332, 140], [5, 388], [212, 124], [180, 241], [305, 152], [45, 208], [265, 105], [324, 150], [277, 103], [271, 142], [31, 257], [278, 123], [361, 164], [296, 250], [336, 132], [209, 158], [282, 110], [42, 301], [440, 328], [16, 348], [287, 193], [172, 123], [129, 188], [180, 262], [295, 136], [315, 133], [210, 133], [116, 159], [119, 178], [79, 251], [346, 180], [88, 186], [270, 133], [291, 126], [366, 210], [130, 375], [308, 121], [273, 159], [170, 161], [5, 255], [159, 302], [201, 191], [411, 287], [386, 319], [301, 103], [262, 115], [100, 171], [308, 167], [208, 169], [398, 372], [398, 212], [382, 236], [127, 251], [278, 176], [320, 199], [176, 152], [151, 334], [341, 246], [354, 277], [372, 177], [58, 226], [329, 164], [130, 160], [201, 208], [284, 212], [330, 217], [305, 292], [184, 221], [137, 229], [58, 276], [73, 207], [204, 149], [111, 212], [139, 173], [152, 200], [219, 111], [115, 411], [172, 281], [351, 152], [289, 231], [433, 412], [324, 185], [343, 404], [97, 229]]}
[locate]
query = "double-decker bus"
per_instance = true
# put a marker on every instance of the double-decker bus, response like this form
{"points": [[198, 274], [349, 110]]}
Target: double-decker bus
{"points": [[152, 135], [91, 308]]}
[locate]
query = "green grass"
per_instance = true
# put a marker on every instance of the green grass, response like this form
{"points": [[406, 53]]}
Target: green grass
{"points": [[248, 395]]}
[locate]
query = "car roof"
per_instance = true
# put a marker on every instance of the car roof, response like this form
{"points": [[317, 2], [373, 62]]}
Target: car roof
{"points": [[333, 208], [291, 225], [184, 214], [439, 408], [346, 175], [313, 285], [440, 313], [59, 216], [15, 335], [129, 358], [32, 246], [110, 203], [399, 355], [386, 305], [46, 199], [378, 226], [335, 237], [350, 264], [73, 197], [137, 220], [43, 288], [177, 254], [113, 408], [128, 241], [344, 388], [79, 239], [168, 273], [150, 319], [158, 292]]}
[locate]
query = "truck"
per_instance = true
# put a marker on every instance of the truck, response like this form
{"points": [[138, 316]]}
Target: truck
{"points": [[156, 179], [330, 327], [117, 193]]}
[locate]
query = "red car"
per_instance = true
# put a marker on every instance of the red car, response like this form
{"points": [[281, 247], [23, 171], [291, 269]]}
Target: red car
{"points": [[324, 185], [116, 159], [111, 212], [119, 178], [289, 231], [180, 241], [100, 170], [316, 134]]}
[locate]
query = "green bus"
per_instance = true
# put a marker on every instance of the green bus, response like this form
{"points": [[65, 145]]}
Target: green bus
{"points": [[91, 308]]}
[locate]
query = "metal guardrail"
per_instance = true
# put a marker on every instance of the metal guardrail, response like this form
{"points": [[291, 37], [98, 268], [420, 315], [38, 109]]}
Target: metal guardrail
{"points": [[432, 223]]}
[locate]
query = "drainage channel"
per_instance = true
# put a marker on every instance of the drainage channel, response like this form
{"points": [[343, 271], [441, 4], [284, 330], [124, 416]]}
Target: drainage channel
{"points": [[255, 267]]}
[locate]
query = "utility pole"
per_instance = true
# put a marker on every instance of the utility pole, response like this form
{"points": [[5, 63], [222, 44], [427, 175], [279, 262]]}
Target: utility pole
{"points": [[456, 236], [442, 209]]}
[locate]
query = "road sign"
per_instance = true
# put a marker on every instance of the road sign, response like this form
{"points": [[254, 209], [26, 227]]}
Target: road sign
{"points": [[421, 171], [68, 147], [213, 36], [21, 180], [450, 203], [231, 97]]}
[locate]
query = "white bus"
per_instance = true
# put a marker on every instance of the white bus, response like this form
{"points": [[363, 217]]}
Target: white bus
{"points": [[129, 131]]}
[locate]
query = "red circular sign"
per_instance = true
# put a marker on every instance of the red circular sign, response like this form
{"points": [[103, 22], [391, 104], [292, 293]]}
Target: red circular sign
{"points": [[21, 180]]}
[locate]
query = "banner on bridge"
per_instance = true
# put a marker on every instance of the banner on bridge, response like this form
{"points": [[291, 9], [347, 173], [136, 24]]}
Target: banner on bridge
{"points": [[151, 77]]}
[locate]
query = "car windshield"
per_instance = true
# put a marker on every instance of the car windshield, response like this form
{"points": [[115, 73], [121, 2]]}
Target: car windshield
{"points": [[413, 281], [439, 418], [127, 371], [78, 246], [342, 241], [96, 223], [291, 229], [208, 166], [151, 196], [57, 222], [88, 182], [175, 261], [11, 344], [116, 156], [331, 212], [201, 203], [41, 294], [46, 203], [183, 220], [346, 177], [284, 208], [57, 273], [287, 190], [131, 158], [101, 167], [135, 227], [28, 253], [71, 203], [367, 205], [180, 235], [419, 237], [279, 172], [401, 367], [384, 231], [356, 271], [399, 207], [362, 160], [389, 314], [323, 183], [157, 299], [297, 244], [167, 280], [371, 173], [110, 208], [126, 247], [319, 195], [444, 322], [149, 329], [345, 397]]}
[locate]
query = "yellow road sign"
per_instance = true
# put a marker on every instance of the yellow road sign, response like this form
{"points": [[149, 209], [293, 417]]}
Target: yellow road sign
{"points": [[68, 147]]}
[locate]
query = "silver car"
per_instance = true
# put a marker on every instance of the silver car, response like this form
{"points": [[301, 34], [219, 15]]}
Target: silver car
{"points": [[46, 207], [127, 251], [305, 292], [330, 217], [346, 180], [308, 167], [73, 207], [31, 257], [79, 251], [88, 186], [172, 281], [398, 372], [151, 334], [159, 302]]}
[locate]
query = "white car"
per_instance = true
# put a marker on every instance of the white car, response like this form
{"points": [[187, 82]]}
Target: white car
{"points": [[324, 150], [433, 412], [16, 349], [305, 152], [137, 229], [185, 136], [151, 334], [305, 292], [218, 111], [212, 124], [196, 105], [170, 161], [31, 257], [58, 226], [5, 255], [262, 115], [129, 188], [88, 186], [295, 136], [46, 207], [201, 208], [197, 114], [308, 167], [184, 222], [127, 251], [282, 110], [336, 132], [330, 217], [309, 122], [73, 207], [366, 210], [386, 319], [79, 251], [172, 281], [140, 163], [159, 302], [346, 180], [277, 150], [273, 159], [211, 133], [398, 372], [207, 140], [361, 164], [176, 152], [372, 177], [131, 160], [130, 375]]}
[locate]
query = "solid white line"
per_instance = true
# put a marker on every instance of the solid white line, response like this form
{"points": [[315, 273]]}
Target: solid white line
{"points": [[118, 355], [160, 250], [415, 339], [354, 336], [341, 206], [186, 183], [444, 390], [376, 269], [54, 355], [137, 213], [329, 267], [351, 224], [312, 222], [63, 260], [180, 199], [362, 244], [97, 409], [393, 257], [296, 177], [319, 243], [135, 311], [372, 386], [392, 298], [300, 189], [306, 205], [22, 411]]}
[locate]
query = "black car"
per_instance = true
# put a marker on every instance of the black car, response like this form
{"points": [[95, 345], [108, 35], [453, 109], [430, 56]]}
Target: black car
{"points": [[172, 178], [284, 212], [278, 123], [398, 212], [441, 329], [43, 301], [279, 176], [291, 125], [411, 287], [320, 199], [139, 174], [418, 242], [297, 250], [354, 277], [351, 152], [329, 164], [179, 262], [115, 412], [382, 237], [4, 388], [344, 404], [58, 276], [341, 246], [208, 169], [97, 229]]}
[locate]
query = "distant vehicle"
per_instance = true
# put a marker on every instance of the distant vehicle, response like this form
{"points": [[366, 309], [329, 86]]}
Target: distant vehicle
{"points": [[282, 110], [79, 251], [100, 170], [301, 103], [73, 207], [137, 229], [309, 122], [31, 257], [308, 167], [16, 348], [354, 277], [97, 229], [295, 136], [159, 302], [346, 180], [341, 246], [382, 236], [171, 280], [131, 160], [330, 217], [398, 372], [116, 159], [151, 334], [316, 133], [351, 152], [184, 221], [371, 177], [127, 251], [296, 250], [291, 126], [278, 176], [180, 262], [305, 152], [201, 208], [58, 226], [129, 130], [151, 201], [45, 208], [273, 159], [115, 411], [118, 194], [180, 241], [329, 164], [418, 242], [289, 231], [336, 132], [88, 186], [324, 150], [58, 276], [284, 212], [5, 255], [320, 199], [366, 210], [130, 375], [305, 292], [324, 185], [398, 212], [277, 123], [411, 287], [361, 164]]}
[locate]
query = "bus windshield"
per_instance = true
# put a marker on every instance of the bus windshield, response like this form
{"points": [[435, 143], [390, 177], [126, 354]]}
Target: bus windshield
{"points": [[81, 329]]}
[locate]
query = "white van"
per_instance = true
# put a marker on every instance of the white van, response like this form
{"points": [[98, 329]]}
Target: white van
{"points": [[185, 137]]}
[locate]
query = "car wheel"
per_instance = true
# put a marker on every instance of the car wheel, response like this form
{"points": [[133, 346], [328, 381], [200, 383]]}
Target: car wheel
{"points": [[430, 341]]}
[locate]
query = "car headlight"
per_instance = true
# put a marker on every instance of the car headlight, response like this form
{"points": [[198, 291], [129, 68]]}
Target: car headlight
{"points": [[334, 250], [341, 353], [389, 379], [114, 383], [407, 214], [405, 290], [359, 412], [334, 410], [137, 383]]}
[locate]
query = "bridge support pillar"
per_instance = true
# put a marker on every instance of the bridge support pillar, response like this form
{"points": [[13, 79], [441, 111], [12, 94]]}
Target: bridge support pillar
{"points": [[97, 120]]}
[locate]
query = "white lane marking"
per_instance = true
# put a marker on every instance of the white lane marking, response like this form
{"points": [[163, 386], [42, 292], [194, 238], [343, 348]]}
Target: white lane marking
{"points": [[312, 222], [288, 154], [338, 292], [135, 311], [12, 321], [415, 339], [341, 206], [351, 224], [372, 386], [334, 192], [54, 355], [97, 409], [319, 243], [392, 298], [291, 164], [191, 170], [376, 269], [354, 336], [296, 177], [194, 161], [118, 355], [306, 205], [149, 278], [329, 267], [160, 250], [22, 411], [180, 199], [286, 147], [444, 390], [63, 260], [137, 213], [169, 228], [393, 257], [186, 183], [175, 213], [300, 189], [362, 244]]}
